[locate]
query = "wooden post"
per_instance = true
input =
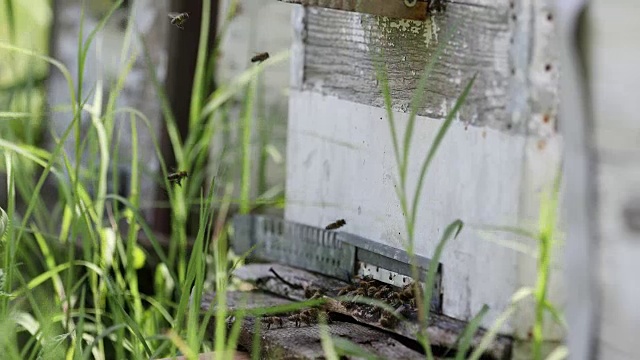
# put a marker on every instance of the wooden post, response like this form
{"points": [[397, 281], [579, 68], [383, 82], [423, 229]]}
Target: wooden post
{"points": [[600, 121]]}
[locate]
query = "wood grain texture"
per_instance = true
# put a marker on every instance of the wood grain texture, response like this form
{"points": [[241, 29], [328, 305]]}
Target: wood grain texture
{"points": [[443, 330], [303, 342], [339, 50], [390, 8]]}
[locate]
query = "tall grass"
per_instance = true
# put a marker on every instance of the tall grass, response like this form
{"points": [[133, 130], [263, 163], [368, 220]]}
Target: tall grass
{"points": [[97, 309]]}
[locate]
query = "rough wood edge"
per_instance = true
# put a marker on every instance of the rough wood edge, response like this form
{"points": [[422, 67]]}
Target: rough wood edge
{"points": [[443, 330]]}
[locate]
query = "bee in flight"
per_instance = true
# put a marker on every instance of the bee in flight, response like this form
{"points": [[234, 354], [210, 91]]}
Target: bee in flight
{"points": [[335, 225], [177, 177], [178, 19], [260, 57]]}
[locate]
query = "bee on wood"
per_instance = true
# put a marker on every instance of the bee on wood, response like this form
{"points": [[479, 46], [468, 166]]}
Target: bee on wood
{"points": [[178, 19], [345, 289], [408, 292], [359, 292], [177, 177], [273, 320], [311, 293], [300, 318], [260, 57], [394, 299], [336, 225], [380, 294], [388, 320]]}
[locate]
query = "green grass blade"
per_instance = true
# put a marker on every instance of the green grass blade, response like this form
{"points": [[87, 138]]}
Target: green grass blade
{"points": [[559, 353], [435, 145], [198, 77], [11, 20], [516, 298], [4, 223], [464, 342], [245, 185], [257, 338], [416, 102], [452, 231], [326, 340], [349, 348], [383, 80], [86, 355]]}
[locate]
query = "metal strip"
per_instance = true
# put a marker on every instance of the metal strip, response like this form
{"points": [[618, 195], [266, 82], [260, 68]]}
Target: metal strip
{"points": [[399, 9], [333, 253], [294, 244]]}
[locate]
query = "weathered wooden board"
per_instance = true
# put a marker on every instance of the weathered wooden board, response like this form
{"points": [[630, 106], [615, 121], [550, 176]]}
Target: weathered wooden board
{"points": [[443, 331], [291, 342], [339, 50], [239, 355], [303, 342], [603, 169]]}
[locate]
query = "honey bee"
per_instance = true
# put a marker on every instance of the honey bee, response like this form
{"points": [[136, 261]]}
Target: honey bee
{"points": [[345, 289], [359, 292], [260, 57], [380, 294], [388, 320], [300, 318], [178, 19], [335, 225], [273, 320], [394, 299], [408, 292], [371, 291], [311, 293], [177, 177]]}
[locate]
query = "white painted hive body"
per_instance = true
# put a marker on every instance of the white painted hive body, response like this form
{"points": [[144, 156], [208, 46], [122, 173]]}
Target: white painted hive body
{"points": [[500, 153]]}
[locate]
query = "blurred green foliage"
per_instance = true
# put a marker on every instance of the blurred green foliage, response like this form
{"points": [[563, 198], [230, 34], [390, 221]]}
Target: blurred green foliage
{"points": [[27, 24]]}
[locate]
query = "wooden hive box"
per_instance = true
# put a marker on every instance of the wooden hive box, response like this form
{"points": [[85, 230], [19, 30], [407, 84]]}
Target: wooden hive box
{"points": [[499, 156]]}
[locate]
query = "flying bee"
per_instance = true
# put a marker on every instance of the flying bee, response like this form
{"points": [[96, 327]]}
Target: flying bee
{"points": [[178, 19], [273, 320], [260, 57], [177, 177], [335, 225]]}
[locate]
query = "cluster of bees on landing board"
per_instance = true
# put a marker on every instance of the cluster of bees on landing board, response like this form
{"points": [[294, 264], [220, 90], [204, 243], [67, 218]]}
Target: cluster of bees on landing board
{"points": [[402, 300], [178, 19]]}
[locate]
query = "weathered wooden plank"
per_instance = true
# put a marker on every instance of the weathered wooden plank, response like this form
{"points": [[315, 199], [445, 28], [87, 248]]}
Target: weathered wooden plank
{"points": [[600, 123], [302, 341], [390, 8], [443, 331], [291, 342], [239, 355], [338, 60]]}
